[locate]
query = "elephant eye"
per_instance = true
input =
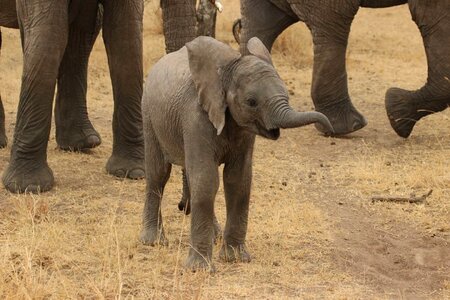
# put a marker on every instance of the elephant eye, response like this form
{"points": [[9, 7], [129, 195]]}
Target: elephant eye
{"points": [[252, 102]]}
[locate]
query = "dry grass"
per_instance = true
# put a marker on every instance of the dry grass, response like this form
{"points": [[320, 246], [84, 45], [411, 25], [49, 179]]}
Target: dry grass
{"points": [[313, 231]]}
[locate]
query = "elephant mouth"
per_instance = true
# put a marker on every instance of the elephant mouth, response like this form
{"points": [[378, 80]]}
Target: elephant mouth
{"points": [[272, 134]]}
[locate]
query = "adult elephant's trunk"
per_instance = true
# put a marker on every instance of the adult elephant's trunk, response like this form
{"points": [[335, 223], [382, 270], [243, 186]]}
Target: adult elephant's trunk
{"points": [[405, 108], [179, 20], [286, 117]]}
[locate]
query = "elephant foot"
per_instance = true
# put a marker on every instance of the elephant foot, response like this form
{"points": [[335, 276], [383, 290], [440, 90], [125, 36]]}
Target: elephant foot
{"points": [[124, 167], [404, 110], [76, 139], [197, 262], [28, 177], [344, 117], [236, 253], [153, 237], [3, 140]]}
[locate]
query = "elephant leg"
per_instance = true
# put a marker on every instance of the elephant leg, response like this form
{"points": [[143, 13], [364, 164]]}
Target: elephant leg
{"points": [[185, 205], [122, 32], [185, 202], [237, 179], [404, 108], [74, 130], [330, 28], [44, 29], [3, 139], [157, 174], [263, 20], [179, 23], [203, 180]]}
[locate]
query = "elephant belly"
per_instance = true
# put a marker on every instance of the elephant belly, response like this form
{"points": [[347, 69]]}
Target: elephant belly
{"points": [[171, 142]]}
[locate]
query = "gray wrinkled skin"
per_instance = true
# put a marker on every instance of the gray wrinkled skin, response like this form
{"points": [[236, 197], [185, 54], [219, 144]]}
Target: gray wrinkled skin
{"points": [[329, 22], [47, 34], [57, 39], [202, 107]]}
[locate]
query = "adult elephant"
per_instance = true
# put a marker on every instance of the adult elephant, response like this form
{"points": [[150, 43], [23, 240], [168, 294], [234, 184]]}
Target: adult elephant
{"points": [[57, 39], [8, 18], [329, 22]]}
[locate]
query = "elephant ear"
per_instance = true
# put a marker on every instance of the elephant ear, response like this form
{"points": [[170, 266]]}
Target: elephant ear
{"points": [[207, 60], [257, 48]]}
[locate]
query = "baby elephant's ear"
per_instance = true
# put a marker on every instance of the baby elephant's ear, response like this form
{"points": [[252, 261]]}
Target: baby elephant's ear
{"points": [[257, 48], [207, 58]]}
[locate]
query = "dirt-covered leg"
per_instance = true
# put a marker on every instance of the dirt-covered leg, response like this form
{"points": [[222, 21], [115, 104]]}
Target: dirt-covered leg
{"points": [[185, 201], [330, 27], [44, 29], [179, 21], [74, 130], [263, 20], [3, 139], [185, 205], [203, 178], [122, 32], [157, 174], [404, 108], [237, 178]]}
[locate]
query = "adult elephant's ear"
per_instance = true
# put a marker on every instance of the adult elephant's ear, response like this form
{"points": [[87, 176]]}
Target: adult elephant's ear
{"points": [[257, 48], [207, 58]]}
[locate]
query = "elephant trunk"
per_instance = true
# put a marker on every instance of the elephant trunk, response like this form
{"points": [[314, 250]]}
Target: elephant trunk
{"points": [[179, 21], [286, 117]]}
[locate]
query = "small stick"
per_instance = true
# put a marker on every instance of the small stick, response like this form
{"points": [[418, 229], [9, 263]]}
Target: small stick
{"points": [[411, 199]]}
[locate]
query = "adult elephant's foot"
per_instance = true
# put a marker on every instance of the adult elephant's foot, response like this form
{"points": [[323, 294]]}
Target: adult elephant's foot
{"points": [[3, 140], [153, 237], [237, 253], [125, 167], [76, 139], [27, 176], [198, 262], [343, 116], [404, 108]]}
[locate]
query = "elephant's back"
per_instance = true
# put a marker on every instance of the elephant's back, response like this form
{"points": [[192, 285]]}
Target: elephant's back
{"points": [[167, 78]]}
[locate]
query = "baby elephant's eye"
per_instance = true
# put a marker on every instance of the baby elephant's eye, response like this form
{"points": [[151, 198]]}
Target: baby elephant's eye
{"points": [[252, 102]]}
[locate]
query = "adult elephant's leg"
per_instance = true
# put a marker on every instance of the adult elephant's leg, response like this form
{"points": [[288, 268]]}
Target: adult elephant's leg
{"points": [[74, 130], [330, 28], [263, 20], [405, 108], [382, 3], [44, 27], [122, 32], [3, 139], [179, 23]]}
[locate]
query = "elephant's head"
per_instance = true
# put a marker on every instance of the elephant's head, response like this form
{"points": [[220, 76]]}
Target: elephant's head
{"points": [[248, 86]]}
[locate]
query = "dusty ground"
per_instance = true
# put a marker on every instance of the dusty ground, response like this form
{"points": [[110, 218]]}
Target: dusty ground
{"points": [[313, 231]]}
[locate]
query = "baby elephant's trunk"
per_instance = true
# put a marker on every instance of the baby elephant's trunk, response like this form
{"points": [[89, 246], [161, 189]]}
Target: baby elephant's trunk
{"points": [[293, 119]]}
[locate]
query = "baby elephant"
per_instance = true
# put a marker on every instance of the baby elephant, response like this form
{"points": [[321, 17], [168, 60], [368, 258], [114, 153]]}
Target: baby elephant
{"points": [[202, 107]]}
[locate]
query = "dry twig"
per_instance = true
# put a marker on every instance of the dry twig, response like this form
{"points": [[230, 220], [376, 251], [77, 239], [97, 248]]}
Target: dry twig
{"points": [[411, 199]]}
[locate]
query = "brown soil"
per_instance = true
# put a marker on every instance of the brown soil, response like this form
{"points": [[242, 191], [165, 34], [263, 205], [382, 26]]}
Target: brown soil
{"points": [[313, 231]]}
